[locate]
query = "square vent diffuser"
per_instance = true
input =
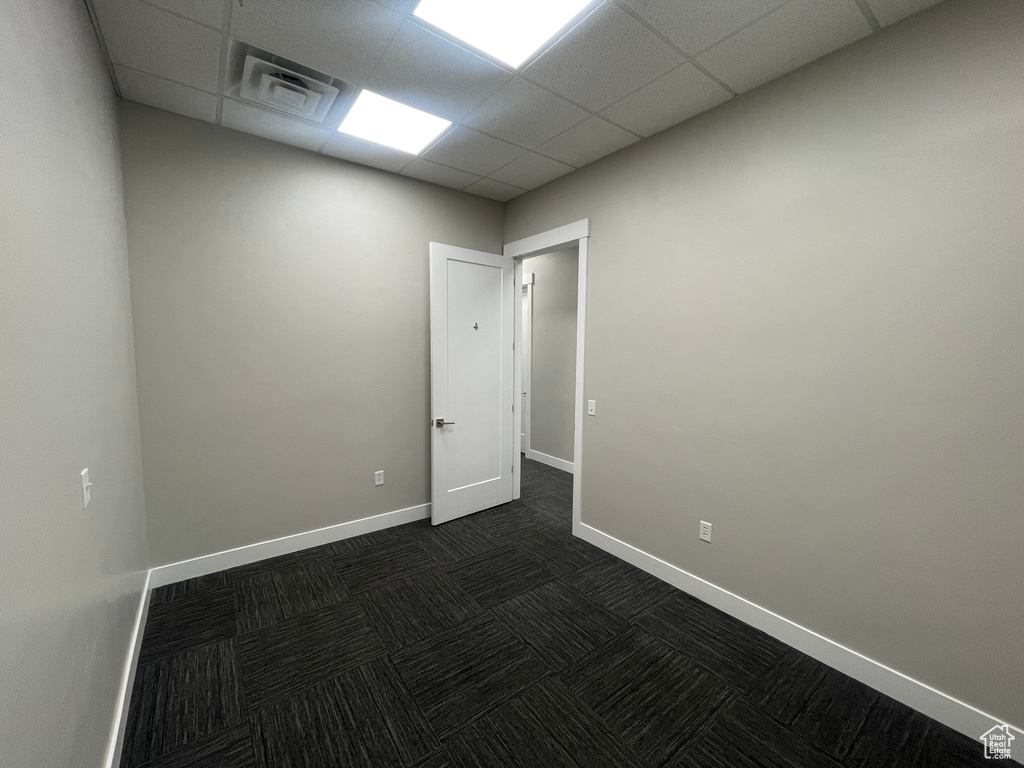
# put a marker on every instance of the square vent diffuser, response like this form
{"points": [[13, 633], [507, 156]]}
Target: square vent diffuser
{"points": [[284, 90]]}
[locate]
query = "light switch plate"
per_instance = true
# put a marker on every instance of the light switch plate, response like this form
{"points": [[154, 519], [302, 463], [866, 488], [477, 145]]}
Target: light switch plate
{"points": [[591, 407], [86, 488]]}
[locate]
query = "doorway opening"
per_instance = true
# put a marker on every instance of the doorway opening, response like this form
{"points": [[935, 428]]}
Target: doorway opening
{"points": [[548, 371], [551, 276]]}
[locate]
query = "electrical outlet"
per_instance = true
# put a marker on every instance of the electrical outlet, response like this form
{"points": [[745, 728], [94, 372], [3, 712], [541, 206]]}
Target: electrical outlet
{"points": [[705, 531], [378, 477]]}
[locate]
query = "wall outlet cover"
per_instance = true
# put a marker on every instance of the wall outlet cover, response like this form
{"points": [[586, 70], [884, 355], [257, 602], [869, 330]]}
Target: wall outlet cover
{"points": [[705, 531], [378, 477]]}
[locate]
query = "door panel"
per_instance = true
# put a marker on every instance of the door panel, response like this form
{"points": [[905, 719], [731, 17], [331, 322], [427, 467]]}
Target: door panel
{"points": [[471, 357], [474, 373]]}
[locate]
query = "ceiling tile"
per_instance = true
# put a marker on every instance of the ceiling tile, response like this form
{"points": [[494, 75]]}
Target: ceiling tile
{"points": [[586, 142], [531, 171], [602, 59], [426, 71], [468, 150], [494, 190], [209, 12], [150, 40], [525, 114], [890, 11], [695, 25], [670, 99], [438, 174], [347, 147], [787, 38], [342, 39], [152, 90], [270, 125]]}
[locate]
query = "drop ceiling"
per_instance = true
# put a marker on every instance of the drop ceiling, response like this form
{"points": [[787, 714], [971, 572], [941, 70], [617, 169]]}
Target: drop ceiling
{"points": [[621, 71]]}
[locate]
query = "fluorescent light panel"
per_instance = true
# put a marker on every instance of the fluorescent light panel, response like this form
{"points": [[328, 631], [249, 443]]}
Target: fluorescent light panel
{"points": [[508, 30], [381, 120]]}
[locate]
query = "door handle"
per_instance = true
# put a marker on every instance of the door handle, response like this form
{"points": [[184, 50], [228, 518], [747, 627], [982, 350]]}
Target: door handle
{"points": [[443, 423]]}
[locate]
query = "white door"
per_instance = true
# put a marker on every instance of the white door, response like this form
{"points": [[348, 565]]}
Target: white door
{"points": [[472, 315]]}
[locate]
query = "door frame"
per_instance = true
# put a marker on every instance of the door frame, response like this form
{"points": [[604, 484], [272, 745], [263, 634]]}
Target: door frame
{"points": [[576, 233], [527, 362]]}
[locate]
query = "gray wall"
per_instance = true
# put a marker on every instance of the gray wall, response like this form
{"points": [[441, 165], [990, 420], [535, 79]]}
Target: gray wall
{"points": [[70, 580], [554, 352], [804, 325], [281, 314]]}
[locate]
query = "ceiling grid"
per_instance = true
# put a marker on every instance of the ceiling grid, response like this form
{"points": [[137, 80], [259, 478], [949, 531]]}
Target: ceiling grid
{"points": [[225, 24], [622, 70]]}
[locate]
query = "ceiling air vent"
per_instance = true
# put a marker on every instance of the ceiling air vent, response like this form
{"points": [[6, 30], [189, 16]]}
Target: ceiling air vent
{"points": [[284, 90]]}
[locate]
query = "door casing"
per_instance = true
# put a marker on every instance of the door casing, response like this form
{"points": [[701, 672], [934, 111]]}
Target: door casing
{"points": [[526, 352]]}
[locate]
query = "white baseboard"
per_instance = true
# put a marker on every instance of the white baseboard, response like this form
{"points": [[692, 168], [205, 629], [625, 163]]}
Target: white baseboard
{"points": [[551, 461], [124, 693], [251, 553], [956, 714]]}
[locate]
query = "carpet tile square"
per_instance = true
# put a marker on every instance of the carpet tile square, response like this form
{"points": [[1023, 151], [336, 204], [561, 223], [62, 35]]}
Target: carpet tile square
{"points": [[498, 575], [651, 696], [458, 675], [363, 717], [181, 700], [268, 597], [370, 567], [188, 622], [299, 653], [731, 649], [559, 623], [410, 609], [619, 587]]}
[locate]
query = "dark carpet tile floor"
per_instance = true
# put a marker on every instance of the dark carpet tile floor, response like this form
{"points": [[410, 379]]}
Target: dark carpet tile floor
{"points": [[497, 640]]}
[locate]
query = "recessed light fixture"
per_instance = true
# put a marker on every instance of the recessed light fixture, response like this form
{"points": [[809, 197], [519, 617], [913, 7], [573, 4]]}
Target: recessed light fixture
{"points": [[508, 30], [384, 121]]}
